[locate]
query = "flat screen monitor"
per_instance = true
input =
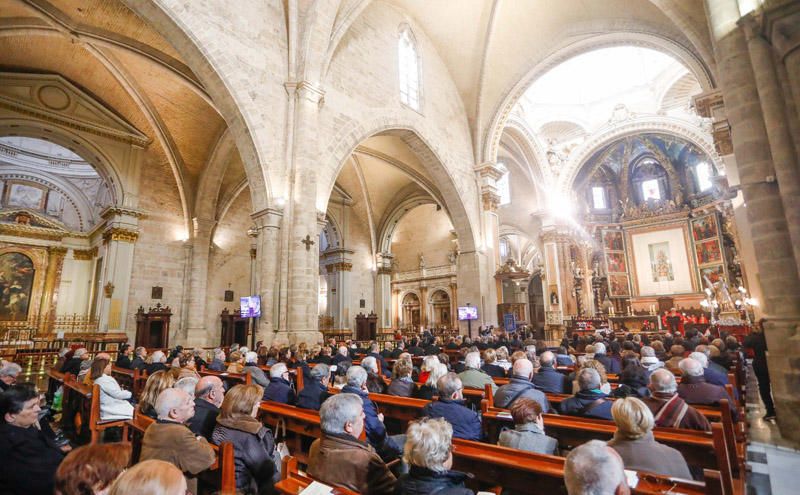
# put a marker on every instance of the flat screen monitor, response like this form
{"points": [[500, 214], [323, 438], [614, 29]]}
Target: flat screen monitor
{"points": [[467, 313], [250, 306]]}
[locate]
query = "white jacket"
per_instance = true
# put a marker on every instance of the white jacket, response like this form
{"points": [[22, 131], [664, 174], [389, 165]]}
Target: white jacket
{"points": [[112, 400]]}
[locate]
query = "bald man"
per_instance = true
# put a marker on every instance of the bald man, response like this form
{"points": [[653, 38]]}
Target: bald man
{"points": [[520, 385], [548, 379], [168, 439], [208, 395]]}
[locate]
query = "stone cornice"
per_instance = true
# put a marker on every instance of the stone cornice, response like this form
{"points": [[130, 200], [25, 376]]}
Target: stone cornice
{"points": [[268, 218], [122, 211], [84, 254], [120, 234], [780, 27]]}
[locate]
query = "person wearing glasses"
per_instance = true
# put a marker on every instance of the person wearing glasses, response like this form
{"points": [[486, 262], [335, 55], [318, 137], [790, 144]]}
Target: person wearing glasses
{"points": [[279, 388]]}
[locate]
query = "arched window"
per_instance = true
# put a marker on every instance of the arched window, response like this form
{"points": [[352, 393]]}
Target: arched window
{"points": [[504, 186], [503, 248], [408, 64], [703, 173]]}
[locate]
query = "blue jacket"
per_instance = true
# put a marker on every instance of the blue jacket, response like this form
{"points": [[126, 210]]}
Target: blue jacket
{"points": [[578, 404], [217, 365], [376, 432], [611, 364], [549, 380], [466, 423], [312, 396], [385, 370], [279, 390], [520, 387]]}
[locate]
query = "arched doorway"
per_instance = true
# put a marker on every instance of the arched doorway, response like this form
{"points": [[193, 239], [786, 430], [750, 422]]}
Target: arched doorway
{"points": [[440, 309], [536, 302], [411, 307]]}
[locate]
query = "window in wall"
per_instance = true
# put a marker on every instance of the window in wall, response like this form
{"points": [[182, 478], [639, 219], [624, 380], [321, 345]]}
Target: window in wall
{"points": [[703, 173], [599, 198], [408, 69], [651, 189], [504, 186], [503, 248]]}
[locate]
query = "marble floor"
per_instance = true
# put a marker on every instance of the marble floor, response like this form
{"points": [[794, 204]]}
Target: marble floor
{"points": [[770, 458]]}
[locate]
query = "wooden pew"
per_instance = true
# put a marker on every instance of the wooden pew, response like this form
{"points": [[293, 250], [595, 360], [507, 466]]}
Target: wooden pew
{"points": [[519, 470], [131, 380], [229, 379], [293, 481], [84, 409], [221, 475]]}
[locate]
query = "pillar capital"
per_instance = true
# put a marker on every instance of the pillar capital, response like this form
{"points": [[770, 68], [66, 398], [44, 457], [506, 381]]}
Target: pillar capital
{"points": [[268, 218], [120, 234], [489, 170], [489, 198], [306, 90]]}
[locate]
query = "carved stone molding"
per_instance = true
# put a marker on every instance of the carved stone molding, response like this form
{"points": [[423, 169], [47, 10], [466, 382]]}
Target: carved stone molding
{"points": [[723, 142], [120, 234], [490, 199], [112, 211], [707, 104], [339, 266], [84, 254]]}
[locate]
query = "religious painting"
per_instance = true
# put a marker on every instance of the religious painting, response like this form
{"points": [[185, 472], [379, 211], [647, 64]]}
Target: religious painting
{"points": [[25, 196], [618, 285], [704, 228], [16, 284], [708, 252], [613, 241], [616, 262], [713, 273], [660, 262]]}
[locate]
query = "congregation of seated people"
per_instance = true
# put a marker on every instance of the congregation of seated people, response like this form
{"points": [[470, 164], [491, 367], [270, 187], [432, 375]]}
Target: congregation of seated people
{"points": [[193, 411]]}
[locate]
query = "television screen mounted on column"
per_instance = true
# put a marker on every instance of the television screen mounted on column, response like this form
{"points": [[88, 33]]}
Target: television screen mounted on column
{"points": [[467, 313], [250, 306]]}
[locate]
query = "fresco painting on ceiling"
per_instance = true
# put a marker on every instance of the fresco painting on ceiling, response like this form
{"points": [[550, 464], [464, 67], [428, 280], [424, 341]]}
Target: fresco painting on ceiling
{"points": [[708, 252], [26, 196], [16, 283], [618, 285], [613, 241], [660, 263], [704, 228], [714, 273], [616, 262]]}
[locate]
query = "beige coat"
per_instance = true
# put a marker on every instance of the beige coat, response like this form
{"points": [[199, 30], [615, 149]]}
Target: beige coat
{"points": [[175, 443], [344, 461]]}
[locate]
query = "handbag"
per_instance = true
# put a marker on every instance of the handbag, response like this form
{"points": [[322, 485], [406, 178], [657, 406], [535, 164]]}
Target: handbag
{"points": [[281, 450]]}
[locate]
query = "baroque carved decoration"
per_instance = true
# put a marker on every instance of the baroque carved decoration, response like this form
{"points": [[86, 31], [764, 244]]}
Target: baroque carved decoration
{"points": [[84, 254], [490, 200], [120, 234]]}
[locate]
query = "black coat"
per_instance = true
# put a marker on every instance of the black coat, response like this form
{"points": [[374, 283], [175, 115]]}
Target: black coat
{"points": [[255, 467], [466, 422], [423, 481], [138, 363], [279, 390], [124, 361], [582, 404], [312, 396], [494, 371], [30, 459], [73, 366], [426, 392], [153, 367], [550, 381], [204, 419]]}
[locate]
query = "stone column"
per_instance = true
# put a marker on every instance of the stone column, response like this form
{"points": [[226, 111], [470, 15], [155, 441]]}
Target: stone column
{"points": [[488, 174], [555, 243], [397, 308], [453, 305], [773, 105], [339, 279], [268, 225], [780, 19], [423, 305], [195, 303], [765, 213], [383, 290], [119, 238], [52, 278]]}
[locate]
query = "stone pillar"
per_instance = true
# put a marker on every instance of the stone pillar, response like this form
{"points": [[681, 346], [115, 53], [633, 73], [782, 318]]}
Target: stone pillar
{"points": [[195, 304], [268, 226], [52, 279], [383, 290], [765, 213], [423, 305], [396, 308], [339, 279], [559, 296], [773, 105], [780, 19], [119, 238], [488, 174]]}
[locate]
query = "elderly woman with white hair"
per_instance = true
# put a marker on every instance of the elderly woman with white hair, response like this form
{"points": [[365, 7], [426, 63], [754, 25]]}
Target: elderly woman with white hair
{"points": [[375, 383], [157, 362], [429, 389], [634, 441], [428, 453]]}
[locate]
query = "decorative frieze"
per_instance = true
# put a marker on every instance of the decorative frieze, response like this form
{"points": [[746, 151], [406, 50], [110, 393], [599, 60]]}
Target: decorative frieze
{"points": [[120, 234], [339, 266], [84, 254]]}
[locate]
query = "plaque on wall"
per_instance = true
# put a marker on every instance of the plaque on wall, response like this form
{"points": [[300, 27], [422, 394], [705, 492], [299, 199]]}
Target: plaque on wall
{"points": [[156, 292], [362, 303], [228, 295]]}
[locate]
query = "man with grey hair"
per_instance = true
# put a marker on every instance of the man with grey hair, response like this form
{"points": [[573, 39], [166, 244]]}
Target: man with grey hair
{"points": [[593, 468], [376, 431], [450, 406], [168, 439], [473, 376], [612, 365], [157, 362], [668, 409], [8, 375], [187, 384], [315, 390], [694, 388], [208, 395], [279, 388], [342, 355], [589, 401], [139, 358], [712, 375], [218, 361], [649, 360], [251, 368], [520, 385], [339, 458], [548, 379]]}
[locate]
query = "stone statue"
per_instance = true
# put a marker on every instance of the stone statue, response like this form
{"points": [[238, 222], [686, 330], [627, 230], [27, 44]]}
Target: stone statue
{"points": [[421, 261]]}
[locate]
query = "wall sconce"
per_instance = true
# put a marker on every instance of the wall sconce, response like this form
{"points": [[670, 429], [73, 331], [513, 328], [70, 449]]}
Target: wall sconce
{"points": [[108, 289]]}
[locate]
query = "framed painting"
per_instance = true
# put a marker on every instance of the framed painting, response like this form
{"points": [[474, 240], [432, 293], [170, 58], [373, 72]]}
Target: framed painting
{"points": [[16, 284], [618, 285], [708, 252], [661, 261], [713, 273], [612, 240], [704, 228], [616, 262], [26, 196]]}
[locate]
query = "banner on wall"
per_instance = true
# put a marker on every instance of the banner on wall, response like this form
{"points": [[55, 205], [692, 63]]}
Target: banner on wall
{"points": [[510, 322]]}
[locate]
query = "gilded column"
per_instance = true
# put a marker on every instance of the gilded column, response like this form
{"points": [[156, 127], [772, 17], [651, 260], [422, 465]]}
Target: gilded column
{"points": [[52, 278]]}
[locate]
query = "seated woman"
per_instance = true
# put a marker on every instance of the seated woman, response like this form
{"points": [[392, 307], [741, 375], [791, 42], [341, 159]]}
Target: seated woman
{"points": [[114, 402], [564, 358], [428, 453], [151, 476], [428, 362], [92, 468], [236, 362], [633, 380], [528, 433], [489, 366], [634, 441], [375, 383], [430, 390], [156, 383], [253, 443], [402, 385], [502, 358], [187, 365]]}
